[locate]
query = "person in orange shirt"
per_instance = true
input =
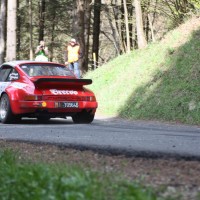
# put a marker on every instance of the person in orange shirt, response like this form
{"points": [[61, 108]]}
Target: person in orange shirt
{"points": [[72, 56]]}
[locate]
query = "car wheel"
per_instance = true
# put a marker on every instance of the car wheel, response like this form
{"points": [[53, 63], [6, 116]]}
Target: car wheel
{"points": [[6, 115], [83, 117]]}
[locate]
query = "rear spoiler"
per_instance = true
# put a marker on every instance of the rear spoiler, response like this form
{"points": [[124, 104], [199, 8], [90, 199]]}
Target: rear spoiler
{"points": [[63, 80]]}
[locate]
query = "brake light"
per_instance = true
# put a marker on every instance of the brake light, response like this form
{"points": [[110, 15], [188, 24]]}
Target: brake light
{"points": [[90, 98], [33, 98]]}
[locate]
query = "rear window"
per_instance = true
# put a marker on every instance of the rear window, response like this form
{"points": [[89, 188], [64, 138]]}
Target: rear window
{"points": [[46, 70]]}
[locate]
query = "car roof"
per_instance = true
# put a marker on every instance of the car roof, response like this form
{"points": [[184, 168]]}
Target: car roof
{"points": [[19, 62]]}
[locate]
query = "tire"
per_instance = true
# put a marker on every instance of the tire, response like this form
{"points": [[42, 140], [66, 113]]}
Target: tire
{"points": [[83, 117], [6, 115]]}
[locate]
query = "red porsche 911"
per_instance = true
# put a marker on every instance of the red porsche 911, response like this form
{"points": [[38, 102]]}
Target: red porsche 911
{"points": [[44, 90]]}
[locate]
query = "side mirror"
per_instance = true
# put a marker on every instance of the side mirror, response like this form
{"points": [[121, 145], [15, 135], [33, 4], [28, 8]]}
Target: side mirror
{"points": [[13, 77]]}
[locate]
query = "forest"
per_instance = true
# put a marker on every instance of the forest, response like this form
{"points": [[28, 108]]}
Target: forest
{"points": [[104, 29]]}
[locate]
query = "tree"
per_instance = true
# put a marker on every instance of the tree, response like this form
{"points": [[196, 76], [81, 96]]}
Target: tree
{"points": [[42, 5], [11, 30], [142, 43], [79, 28], [87, 30], [30, 30], [128, 48], [96, 28], [113, 29], [2, 29]]}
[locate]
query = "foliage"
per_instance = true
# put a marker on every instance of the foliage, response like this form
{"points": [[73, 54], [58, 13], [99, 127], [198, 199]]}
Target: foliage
{"points": [[26, 180], [57, 27], [62, 20], [160, 82]]}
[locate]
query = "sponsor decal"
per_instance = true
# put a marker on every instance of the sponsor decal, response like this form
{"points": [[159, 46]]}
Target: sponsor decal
{"points": [[13, 76], [57, 92]]}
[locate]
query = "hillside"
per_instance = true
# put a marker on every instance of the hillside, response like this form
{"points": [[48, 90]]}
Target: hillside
{"points": [[158, 83]]}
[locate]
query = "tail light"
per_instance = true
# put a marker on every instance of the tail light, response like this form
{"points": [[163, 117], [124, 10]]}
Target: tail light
{"points": [[90, 98], [33, 98]]}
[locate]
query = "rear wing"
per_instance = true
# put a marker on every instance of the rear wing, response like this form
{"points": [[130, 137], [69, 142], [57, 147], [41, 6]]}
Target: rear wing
{"points": [[63, 81]]}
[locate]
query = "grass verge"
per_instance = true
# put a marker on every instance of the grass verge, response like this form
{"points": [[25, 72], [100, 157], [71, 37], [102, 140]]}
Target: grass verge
{"points": [[26, 180]]}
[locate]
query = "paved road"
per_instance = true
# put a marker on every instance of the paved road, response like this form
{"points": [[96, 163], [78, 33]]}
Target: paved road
{"points": [[111, 135]]}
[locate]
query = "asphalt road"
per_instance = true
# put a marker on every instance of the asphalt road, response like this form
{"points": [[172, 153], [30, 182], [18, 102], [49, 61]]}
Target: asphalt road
{"points": [[111, 135]]}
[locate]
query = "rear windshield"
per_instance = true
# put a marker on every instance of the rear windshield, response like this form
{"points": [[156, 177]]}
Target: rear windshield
{"points": [[46, 70]]}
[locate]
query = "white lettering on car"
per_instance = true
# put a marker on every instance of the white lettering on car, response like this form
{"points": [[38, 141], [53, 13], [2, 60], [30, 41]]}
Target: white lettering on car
{"points": [[58, 92]]}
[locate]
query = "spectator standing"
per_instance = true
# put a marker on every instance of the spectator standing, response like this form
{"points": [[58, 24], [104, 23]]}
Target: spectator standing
{"points": [[41, 52], [72, 56]]}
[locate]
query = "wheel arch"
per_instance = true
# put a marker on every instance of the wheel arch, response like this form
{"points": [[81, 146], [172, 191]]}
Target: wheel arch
{"points": [[12, 98]]}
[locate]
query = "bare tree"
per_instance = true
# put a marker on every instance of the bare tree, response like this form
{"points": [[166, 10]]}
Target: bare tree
{"points": [[96, 28], [142, 43], [87, 25], [42, 5], [2, 29], [118, 23], [30, 30], [127, 27], [79, 28], [11, 30], [114, 31]]}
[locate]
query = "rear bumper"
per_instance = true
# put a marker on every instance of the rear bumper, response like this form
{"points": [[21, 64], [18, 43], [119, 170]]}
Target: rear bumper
{"points": [[50, 106]]}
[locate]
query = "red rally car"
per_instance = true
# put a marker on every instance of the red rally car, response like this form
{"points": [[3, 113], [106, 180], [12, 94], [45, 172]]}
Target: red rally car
{"points": [[44, 90]]}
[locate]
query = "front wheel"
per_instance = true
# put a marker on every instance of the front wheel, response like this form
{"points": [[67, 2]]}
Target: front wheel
{"points": [[6, 115], [83, 117]]}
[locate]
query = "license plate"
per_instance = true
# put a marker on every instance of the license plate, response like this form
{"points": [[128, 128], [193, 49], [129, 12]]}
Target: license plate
{"points": [[66, 104]]}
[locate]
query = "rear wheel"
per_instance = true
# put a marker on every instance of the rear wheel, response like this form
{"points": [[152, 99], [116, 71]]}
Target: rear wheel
{"points": [[83, 117], [6, 115]]}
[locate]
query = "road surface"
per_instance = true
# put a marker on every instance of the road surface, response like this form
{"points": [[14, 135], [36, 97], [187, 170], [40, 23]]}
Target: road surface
{"points": [[111, 135]]}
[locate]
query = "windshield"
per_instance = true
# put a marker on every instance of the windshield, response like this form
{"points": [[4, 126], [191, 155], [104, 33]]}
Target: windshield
{"points": [[46, 70]]}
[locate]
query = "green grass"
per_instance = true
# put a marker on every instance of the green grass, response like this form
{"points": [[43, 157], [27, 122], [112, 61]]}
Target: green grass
{"points": [[160, 82], [25, 180]]}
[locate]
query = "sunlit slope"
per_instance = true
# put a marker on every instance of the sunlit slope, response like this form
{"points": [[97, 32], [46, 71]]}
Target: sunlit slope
{"points": [[161, 82]]}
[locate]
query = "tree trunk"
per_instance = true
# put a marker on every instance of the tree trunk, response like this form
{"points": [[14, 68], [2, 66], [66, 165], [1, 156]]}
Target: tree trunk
{"points": [[30, 30], [118, 23], [87, 30], [151, 27], [74, 21], [142, 43], [2, 30], [41, 19], [19, 38], [96, 29], [78, 30], [127, 27], [11, 30], [113, 29], [53, 34]]}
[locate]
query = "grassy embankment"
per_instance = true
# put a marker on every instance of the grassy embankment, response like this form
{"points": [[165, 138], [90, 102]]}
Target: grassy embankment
{"points": [[21, 179], [160, 82]]}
